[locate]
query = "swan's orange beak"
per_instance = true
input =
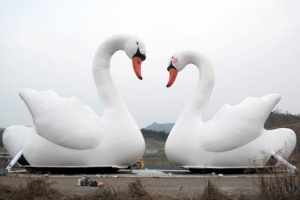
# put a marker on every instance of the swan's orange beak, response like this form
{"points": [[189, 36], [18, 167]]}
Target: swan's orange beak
{"points": [[137, 63], [173, 74]]}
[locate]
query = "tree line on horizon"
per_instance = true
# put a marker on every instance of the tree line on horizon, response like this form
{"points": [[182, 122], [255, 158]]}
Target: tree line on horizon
{"points": [[158, 135]]}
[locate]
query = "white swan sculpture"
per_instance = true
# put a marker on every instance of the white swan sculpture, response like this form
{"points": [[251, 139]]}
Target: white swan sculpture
{"points": [[69, 134], [233, 137]]}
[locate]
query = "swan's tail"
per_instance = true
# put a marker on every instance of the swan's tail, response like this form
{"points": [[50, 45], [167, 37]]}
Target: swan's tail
{"points": [[272, 100]]}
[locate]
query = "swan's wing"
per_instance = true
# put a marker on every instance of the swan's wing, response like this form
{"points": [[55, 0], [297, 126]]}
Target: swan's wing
{"points": [[63, 121], [234, 126]]}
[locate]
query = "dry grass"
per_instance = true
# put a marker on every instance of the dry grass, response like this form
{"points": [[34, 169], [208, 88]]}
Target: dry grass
{"points": [[211, 192], [278, 183], [152, 143], [39, 188], [157, 161], [134, 190], [275, 183], [35, 188]]}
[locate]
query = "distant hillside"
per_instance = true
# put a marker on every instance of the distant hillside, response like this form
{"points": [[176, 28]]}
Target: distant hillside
{"points": [[1, 132], [276, 119], [161, 127]]}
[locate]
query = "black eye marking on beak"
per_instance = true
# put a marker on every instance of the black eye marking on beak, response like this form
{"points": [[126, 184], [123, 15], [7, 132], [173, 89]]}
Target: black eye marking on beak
{"points": [[170, 67], [138, 54]]}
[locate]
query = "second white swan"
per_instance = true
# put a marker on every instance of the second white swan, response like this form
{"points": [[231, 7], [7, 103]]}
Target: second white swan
{"points": [[233, 137], [69, 134]]}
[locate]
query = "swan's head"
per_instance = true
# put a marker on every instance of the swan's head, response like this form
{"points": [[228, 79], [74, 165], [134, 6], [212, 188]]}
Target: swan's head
{"points": [[176, 63], [135, 50]]}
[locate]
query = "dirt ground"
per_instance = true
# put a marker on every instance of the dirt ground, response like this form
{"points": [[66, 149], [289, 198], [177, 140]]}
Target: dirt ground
{"points": [[170, 185]]}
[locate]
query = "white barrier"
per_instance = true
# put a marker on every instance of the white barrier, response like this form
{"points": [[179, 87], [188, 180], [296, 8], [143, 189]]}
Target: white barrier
{"points": [[13, 162], [283, 161]]}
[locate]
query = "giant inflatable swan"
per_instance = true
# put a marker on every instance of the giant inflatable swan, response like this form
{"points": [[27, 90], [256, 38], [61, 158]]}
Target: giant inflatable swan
{"points": [[68, 134], [233, 137]]}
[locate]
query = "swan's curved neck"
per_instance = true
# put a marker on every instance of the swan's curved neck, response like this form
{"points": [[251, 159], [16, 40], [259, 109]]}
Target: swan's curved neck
{"points": [[101, 70], [199, 100]]}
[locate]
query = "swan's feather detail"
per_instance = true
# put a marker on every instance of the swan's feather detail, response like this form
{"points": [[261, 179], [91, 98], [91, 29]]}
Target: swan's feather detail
{"points": [[63, 121], [235, 126]]}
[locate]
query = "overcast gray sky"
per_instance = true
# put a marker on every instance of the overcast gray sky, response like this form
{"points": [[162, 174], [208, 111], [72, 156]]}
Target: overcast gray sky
{"points": [[253, 45]]}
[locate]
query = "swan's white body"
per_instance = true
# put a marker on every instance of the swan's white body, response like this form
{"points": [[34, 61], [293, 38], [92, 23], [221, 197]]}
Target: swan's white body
{"points": [[69, 134], [233, 138]]}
